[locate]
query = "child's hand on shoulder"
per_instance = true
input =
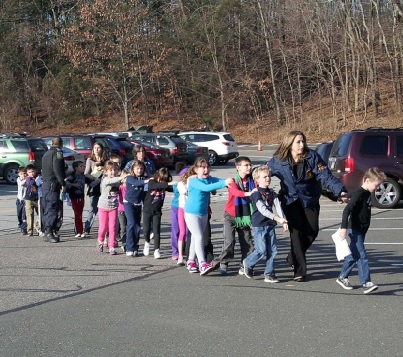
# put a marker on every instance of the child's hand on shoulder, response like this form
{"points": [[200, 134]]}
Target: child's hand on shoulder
{"points": [[228, 181], [250, 193]]}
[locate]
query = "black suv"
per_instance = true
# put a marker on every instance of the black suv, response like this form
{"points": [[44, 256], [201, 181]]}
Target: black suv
{"points": [[16, 151], [171, 141], [356, 151]]}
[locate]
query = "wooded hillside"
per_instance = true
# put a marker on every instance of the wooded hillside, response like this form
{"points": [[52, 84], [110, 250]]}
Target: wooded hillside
{"points": [[231, 64]]}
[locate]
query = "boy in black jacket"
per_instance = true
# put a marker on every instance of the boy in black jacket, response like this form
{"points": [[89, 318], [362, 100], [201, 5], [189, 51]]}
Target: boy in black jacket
{"points": [[75, 187], [357, 218]]}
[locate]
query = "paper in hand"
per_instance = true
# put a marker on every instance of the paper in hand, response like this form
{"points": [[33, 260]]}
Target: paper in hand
{"points": [[342, 248]]}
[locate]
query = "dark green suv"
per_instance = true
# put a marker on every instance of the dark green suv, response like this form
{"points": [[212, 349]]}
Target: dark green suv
{"points": [[16, 151]]}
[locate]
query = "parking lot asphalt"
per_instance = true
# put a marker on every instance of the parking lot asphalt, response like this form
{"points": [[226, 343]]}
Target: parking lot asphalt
{"points": [[66, 299]]}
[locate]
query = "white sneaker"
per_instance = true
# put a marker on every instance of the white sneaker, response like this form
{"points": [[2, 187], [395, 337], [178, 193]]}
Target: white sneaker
{"points": [[83, 235], [369, 287], [151, 235], [157, 254], [129, 254], [146, 250], [77, 235]]}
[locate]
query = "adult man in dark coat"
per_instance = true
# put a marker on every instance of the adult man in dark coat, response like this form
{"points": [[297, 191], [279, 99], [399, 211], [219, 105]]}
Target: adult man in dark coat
{"points": [[53, 174]]}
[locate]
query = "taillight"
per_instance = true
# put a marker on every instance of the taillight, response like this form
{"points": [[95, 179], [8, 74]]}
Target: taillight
{"points": [[121, 152], [198, 151], [226, 143], [175, 151], [31, 156], [69, 158], [349, 165]]}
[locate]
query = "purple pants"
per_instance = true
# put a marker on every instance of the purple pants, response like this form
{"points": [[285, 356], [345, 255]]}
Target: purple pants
{"points": [[174, 231]]}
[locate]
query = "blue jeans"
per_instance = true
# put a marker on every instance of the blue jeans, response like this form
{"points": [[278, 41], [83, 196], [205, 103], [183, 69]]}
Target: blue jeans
{"points": [[93, 211], [133, 228], [265, 243], [358, 255]]}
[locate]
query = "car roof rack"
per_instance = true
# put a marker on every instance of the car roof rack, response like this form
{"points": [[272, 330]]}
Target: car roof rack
{"points": [[172, 132]]}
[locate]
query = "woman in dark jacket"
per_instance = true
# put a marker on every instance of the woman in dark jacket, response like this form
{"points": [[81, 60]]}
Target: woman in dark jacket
{"points": [[302, 173], [93, 171]]}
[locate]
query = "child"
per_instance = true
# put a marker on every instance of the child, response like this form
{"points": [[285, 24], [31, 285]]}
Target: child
{"points": [[121, 213], [116, 159], [20, 203], [179, 169], [108, 205], [237, 214], [196, 212], [152, 211], [31, 198], [75, 188], [183, 231], [263, 223], [133, 202], [357, 217], [41, 227]]}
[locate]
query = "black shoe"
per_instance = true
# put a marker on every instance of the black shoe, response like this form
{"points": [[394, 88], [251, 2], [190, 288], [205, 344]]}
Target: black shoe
{"points": [[54, 240], [299, 278]]}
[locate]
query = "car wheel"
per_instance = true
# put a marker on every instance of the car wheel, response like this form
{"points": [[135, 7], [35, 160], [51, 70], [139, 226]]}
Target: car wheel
{"points": [[11, 174], [387, 195], [212, 157]]}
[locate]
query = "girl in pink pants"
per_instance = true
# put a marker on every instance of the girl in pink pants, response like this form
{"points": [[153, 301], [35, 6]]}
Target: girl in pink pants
{"points": [[108, 206]]}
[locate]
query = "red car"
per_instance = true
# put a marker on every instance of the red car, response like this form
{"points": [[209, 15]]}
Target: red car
{"points": [[160, 156]]}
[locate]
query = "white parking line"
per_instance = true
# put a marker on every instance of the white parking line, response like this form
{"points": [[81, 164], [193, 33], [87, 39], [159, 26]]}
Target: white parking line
{"points": [[371, 229], [372, 219], [366, 243]]}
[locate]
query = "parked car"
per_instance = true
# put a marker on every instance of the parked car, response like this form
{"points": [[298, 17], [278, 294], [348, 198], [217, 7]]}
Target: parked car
{"points": [[356, 151], [221, 145], [80, 143], [171, 141], [116, 145], [161, 157], [323, 149], [70, 156], [16, 151], [196, 151]]}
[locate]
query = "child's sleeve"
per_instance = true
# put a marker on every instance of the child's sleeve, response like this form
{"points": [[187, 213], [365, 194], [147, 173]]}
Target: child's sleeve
{"points": [[347, 211], [110, 181], [132, 181], [154, 185], [277, 206], [182, 188], [215, 184], [261, 205], [235, 191]]}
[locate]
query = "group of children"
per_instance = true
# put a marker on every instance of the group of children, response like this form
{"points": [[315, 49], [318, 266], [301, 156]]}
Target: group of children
{"points": [[252, 211]]}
